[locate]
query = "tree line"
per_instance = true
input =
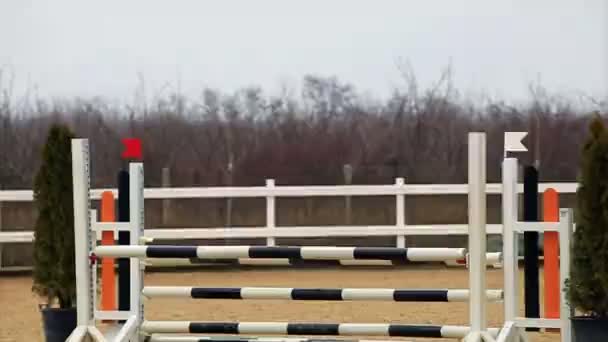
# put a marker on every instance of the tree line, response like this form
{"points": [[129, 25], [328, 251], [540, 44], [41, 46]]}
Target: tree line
{"points": [[301, 137]]}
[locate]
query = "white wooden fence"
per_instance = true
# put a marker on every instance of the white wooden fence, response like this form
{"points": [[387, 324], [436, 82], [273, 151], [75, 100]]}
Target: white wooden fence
{"points": [[270, 231]]}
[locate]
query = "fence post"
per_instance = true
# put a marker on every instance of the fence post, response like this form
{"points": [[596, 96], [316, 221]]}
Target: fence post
{"points": [[400, 212], [229, 199], [348, 178], [166, 183], [270, 213]]}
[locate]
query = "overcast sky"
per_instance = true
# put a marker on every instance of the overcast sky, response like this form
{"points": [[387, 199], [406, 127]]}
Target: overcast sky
{"points": [[88, 48]]}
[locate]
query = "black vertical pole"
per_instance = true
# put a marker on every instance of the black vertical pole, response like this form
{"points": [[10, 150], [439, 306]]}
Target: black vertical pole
{"points": [[531, 250], [124, 268]]}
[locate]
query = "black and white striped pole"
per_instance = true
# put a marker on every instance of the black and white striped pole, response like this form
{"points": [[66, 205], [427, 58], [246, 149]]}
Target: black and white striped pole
{"points": [[325, 329], [316, 294], [288, 252]]}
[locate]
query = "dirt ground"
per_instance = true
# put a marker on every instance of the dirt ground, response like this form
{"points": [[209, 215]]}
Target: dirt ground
{"points": [[21, 319]]}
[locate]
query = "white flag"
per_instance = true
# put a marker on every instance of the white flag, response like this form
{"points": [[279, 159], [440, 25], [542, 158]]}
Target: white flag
{"points": [[513, 142]]}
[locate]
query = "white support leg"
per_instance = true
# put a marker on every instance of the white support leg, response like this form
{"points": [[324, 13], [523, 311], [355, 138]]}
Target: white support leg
{"points": [[78, 334], [512, 333], [477, 237], [128, 331]]}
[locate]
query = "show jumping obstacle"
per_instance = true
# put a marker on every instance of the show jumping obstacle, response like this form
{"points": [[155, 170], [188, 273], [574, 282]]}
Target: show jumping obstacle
{"points": [[135, 328]]}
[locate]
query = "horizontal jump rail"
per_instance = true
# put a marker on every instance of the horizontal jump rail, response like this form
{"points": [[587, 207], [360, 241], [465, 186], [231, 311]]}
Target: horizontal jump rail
{"points": [[297, 262], [325, 329], [173, 338], [492, 258], [304, 253], [321, 294], [195, 262], [16, 237]]}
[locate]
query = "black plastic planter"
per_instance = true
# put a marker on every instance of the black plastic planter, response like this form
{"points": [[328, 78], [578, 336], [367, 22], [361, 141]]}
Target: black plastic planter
{"points": [[58, 323], [590, 329]]}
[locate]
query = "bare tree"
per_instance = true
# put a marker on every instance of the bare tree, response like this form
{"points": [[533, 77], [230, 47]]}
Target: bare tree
{"points": [[249, 135]]}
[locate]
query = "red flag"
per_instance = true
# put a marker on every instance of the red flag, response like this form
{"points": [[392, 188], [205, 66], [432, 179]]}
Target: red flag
{"points": [[132, 148]]}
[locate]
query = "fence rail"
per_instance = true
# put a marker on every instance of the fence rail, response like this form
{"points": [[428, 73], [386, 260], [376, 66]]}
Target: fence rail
{"points": [[301, 191]]}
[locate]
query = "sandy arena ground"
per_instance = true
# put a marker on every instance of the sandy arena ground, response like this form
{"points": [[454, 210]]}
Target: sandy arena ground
{"points": [[21, 319]]}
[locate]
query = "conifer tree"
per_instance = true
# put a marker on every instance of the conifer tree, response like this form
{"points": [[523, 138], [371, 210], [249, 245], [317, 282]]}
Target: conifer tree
{"points": [[54, 269], [588, 285]]}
